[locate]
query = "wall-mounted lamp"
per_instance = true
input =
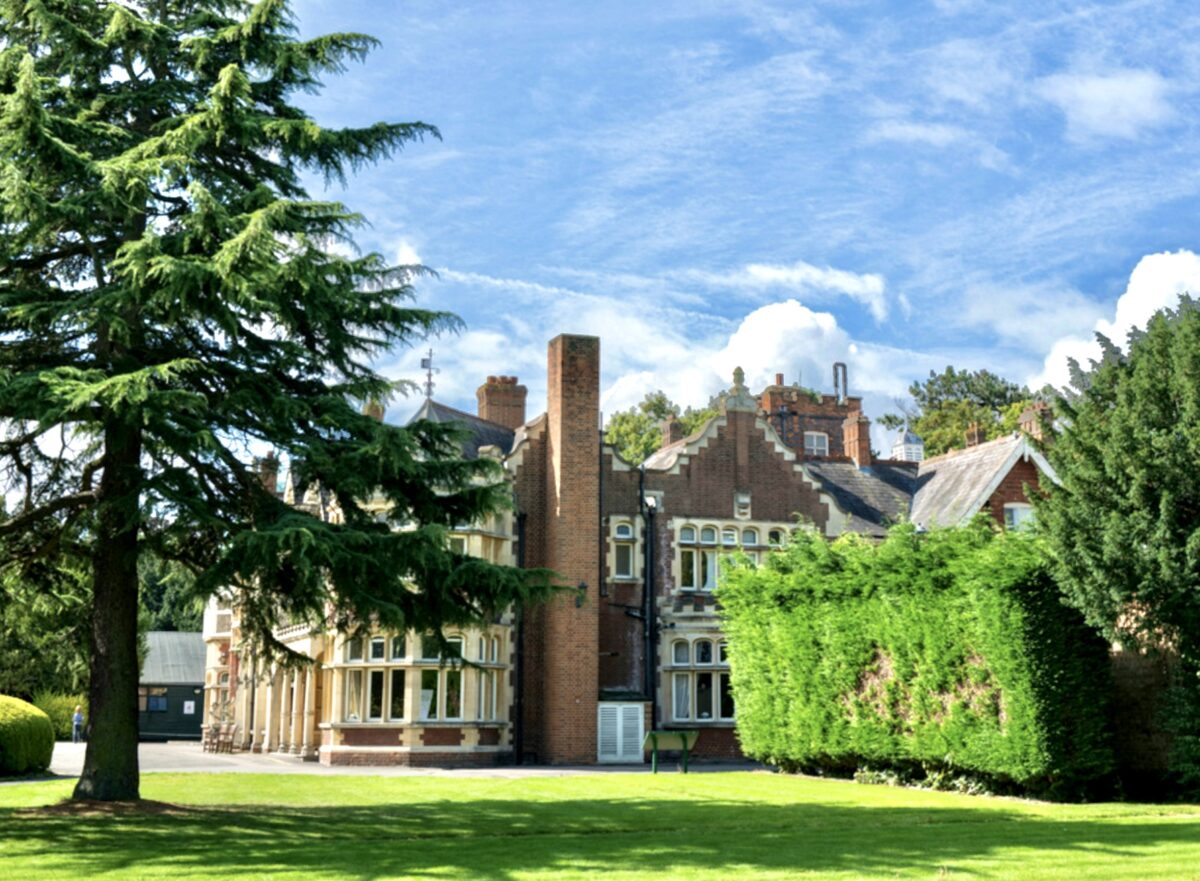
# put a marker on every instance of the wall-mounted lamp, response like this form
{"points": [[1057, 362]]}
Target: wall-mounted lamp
{"points": [[582, 595]]}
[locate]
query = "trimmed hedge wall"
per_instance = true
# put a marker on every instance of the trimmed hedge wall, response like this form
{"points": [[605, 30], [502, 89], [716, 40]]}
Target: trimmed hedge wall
{"points": [[26, 737], [948, 650]]}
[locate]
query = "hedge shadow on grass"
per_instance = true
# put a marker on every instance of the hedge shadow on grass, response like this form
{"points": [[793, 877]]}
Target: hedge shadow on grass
{"points": [[500, 839]]}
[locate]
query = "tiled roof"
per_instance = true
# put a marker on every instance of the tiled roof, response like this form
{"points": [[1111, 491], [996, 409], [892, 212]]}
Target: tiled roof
{"points": [[874, 498], [173, 658], [951, 488], [482, 433]]}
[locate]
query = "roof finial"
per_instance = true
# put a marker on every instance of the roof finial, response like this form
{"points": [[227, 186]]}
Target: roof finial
{"points": [[430, 370]]}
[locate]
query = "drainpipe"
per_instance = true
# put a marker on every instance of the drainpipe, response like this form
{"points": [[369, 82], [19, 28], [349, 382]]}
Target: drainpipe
{"points": [[649, 611], [519, 659]]}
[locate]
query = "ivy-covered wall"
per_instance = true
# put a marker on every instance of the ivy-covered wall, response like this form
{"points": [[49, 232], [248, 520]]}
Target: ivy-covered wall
{"points": [[948, 650]]}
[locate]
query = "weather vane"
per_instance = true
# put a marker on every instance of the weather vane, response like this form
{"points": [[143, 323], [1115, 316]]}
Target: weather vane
{"points": [[430, 370]]}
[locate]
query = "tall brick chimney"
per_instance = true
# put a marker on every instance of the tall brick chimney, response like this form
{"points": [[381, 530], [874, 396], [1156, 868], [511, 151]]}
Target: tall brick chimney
{"points": [[672, 430], [856, 439], [268, 472], [572, 634], [502, 400]]}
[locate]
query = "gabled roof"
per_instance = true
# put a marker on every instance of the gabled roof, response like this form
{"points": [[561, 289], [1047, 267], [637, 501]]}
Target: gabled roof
{"points": [[953, 487], [874, 498], [173, 658], [481, 432]]}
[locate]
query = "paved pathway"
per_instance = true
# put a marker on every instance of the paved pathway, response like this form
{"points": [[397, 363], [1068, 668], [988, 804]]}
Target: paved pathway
{"points": [[187, 756]]}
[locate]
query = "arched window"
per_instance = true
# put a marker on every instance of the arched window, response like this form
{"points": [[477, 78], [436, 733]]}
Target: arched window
{"points": [[704, 651], [708, 535], [729, 536], [775, 537], [687, 535], [749, 537], [680, 653]]}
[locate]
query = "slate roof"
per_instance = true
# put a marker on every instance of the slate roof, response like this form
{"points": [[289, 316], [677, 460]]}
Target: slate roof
{"points": [[173, 658], [952, 487], [874, 498], [481, 432]]}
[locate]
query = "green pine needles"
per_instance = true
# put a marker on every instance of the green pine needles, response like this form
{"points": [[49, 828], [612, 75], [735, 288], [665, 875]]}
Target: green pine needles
{"points": [[950, 652], [170, 294]]}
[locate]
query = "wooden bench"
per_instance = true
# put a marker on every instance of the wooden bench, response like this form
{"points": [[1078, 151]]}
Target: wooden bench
{"points": [[680, 740]]}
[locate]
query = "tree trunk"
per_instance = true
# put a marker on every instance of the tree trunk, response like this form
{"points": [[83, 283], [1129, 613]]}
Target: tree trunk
{"points": [[110, 765]]}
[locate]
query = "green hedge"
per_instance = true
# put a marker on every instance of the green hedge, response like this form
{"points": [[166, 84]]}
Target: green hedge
{"points": [[949, 651], [61, 710], [26, 737]]}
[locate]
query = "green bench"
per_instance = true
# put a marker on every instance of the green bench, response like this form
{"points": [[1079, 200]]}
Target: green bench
{"points": [[680, 740]]}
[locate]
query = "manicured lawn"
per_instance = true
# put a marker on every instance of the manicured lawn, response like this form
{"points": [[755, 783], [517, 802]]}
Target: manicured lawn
{"points": [[607, 826]]}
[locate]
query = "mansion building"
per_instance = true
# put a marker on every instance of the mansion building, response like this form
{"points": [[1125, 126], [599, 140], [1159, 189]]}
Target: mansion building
{"points": [[637, 643]]}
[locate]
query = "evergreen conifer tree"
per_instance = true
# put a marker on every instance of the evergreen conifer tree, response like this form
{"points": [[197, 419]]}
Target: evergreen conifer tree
{"points": [[170, 296]]}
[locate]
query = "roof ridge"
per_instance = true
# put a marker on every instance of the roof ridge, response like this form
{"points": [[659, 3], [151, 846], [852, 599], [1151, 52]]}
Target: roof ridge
{"points": [[950, 454], [472, 416]]}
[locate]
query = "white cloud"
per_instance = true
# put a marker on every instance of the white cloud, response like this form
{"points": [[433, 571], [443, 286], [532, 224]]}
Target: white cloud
{"points": [[866, 288], [935, 134], [1118, 104], [1155, 283], [406, 254]]}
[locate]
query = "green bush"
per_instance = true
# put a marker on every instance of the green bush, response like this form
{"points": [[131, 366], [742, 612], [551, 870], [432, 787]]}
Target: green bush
{"points": [[26, 737], [61, 710], [946, 652]]}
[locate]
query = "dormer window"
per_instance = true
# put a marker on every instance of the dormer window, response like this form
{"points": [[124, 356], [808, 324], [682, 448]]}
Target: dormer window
{"points": [[816, 443]]}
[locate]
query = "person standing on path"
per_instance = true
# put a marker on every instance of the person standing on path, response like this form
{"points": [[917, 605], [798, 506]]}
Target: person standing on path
{"points": [[77, 725]]}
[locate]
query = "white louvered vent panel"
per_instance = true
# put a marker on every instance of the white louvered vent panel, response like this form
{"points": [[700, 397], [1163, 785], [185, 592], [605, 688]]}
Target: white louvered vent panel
{"points": [[610, 734], [631, 732]]}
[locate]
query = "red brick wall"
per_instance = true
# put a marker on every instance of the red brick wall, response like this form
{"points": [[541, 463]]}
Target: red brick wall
{"points": [[1012, 489], [442, 736], [371, 736]]}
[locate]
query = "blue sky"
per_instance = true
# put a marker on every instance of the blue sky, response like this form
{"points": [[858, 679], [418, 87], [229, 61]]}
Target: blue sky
{"points": [[898, 185]]}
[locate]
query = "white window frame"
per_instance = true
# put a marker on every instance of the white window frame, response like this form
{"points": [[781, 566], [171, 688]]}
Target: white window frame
{"points": [[1018, 515], [824, 438]]}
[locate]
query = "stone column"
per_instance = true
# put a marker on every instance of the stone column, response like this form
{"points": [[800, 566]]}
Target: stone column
{"points": [[310, 710], [256, 718], [298, 694], [285, 711], [270, 729]]}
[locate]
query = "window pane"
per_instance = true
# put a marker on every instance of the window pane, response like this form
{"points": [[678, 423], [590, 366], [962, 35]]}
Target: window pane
{"points": [[680, 650], [495, 649], [624, 560], [749, 536], [492, 691], [728, 536], [454, 683], [375, 692], [682, 702], [397, 698], [816, 443], [727, 710], [399, 647], [708, 535], [775, 536], [703, 652], [354, 650], [687, 534], [687, 575], [709, 562], [624, 530], [354, 688], [487, 699], [723, 653], [704, 695], [378, 648], [456, 648], [429, 694], [458, 545]]}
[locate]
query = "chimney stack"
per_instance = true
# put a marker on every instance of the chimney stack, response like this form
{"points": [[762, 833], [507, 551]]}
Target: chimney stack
{"points": [[268, 472], [778, 379], [672, 430], [856, 439], [502, 400]]}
